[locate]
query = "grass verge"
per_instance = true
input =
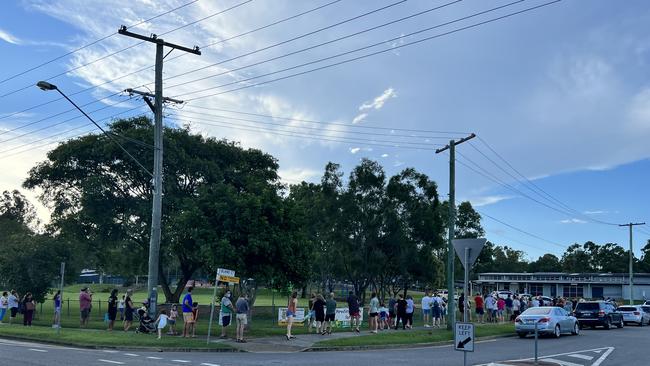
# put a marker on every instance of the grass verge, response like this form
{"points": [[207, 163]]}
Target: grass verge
{"points": [[402, 337], [95, 338]]}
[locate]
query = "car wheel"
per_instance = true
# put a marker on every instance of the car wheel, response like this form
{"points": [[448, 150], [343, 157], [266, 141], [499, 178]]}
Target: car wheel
{"points": [[608, 323], [557, 332], [576, 329], [621, 324], [522, 335]]}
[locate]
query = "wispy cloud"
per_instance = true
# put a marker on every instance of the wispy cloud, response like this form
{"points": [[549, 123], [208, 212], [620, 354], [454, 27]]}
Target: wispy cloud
{"points": [[9, 38], [573, 221], [488, 200], [384, 155], [355, 150], [595, 212], [359, 118], [379, 101]]}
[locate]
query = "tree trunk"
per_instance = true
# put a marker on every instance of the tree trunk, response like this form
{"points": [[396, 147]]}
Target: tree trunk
{"points": [[174, 297]]}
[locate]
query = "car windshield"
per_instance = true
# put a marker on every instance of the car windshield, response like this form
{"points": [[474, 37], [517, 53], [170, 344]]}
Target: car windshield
{"points": [[588, 306], [646, 308], [537, 311], [627, 308]]}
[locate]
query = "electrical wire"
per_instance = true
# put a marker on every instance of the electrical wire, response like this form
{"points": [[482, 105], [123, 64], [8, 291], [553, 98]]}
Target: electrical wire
{"points": [[92, 43]]}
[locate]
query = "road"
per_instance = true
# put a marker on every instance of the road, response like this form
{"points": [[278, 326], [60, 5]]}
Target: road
{"points": [[591, 348]]}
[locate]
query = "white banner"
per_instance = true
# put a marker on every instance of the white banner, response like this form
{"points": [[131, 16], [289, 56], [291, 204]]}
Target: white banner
{"points": [[343, 316], [299, 317]]}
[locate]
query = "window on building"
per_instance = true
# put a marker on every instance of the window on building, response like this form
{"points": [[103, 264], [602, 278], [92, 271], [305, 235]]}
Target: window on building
{"points": [[573, 291], [537, 290]]}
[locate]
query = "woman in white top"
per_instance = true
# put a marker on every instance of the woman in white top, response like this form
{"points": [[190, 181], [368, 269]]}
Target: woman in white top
{"points": [[4, 305], [162, 322]]}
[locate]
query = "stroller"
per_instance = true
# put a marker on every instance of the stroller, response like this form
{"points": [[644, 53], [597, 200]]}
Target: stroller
{"points": [[146, 323]]}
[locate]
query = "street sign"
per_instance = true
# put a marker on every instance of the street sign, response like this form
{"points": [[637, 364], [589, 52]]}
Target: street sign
{"points": [[229, 279], [464, 337], [474, 246], [225, 272]]}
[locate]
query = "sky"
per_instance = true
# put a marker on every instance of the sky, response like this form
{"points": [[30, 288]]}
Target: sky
{"points": [[558, 96]]}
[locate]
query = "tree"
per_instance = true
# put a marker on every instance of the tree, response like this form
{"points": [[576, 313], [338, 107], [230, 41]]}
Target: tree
{"points": [[221, 205], [576, 259], [546, 263]]}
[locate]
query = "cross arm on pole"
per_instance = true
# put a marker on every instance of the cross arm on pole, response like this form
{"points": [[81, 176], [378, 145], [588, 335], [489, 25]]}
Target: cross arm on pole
{"points": [[154, 39], [458, 142]]}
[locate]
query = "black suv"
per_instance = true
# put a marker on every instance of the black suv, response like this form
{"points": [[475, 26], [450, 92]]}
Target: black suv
{"points": [[594, 313]]}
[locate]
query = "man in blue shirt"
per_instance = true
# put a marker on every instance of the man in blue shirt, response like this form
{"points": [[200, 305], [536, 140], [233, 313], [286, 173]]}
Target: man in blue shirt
{"points": [[187, 312]]}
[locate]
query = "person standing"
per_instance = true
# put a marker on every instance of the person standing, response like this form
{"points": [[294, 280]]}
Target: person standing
{"points": [[509, 305], [490, 306], [12, 302], [120, 308], [426, 308], [4, 305], [85, 302], [330, 313], [392, 312], [29, 306], [501, 306], [319, 312], [195, 318], [128, 310], [478, 304], [241, 307], [410, 309], [227, 309], [173, 315], [57, 309], [187, 312], [112, 309], [400, 310], [292, 304], [461, 306], [535, 302], [516, 304], [353, 309], [436, 309], [373, 313], [311, 315]]}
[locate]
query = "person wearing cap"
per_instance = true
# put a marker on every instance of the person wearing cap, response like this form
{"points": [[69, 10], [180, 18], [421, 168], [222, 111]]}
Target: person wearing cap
{"points": [[85, 303]]}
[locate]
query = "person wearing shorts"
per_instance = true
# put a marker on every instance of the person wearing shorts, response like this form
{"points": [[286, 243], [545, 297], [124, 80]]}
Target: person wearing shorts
{"points": [[354, 311], [478, 303], [187, 312], [291, 312], [226, 313], [330, 313], [128, 310], [85, 302], [426, 308], [241, 307], [373, 312]]}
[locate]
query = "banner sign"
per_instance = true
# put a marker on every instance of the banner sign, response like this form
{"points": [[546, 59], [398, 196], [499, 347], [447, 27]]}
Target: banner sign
{"points": [[298, 318], [341, 318]]}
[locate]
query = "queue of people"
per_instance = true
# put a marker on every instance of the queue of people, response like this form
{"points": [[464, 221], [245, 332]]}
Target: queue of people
{"points": [[12, 304]]}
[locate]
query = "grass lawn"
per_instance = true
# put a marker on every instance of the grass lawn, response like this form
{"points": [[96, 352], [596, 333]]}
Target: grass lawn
{"points": [[78, 337], [398, 337]]}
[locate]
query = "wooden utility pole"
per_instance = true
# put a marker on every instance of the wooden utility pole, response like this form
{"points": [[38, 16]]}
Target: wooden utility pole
{"points": [[156, 212], [630, 225]]}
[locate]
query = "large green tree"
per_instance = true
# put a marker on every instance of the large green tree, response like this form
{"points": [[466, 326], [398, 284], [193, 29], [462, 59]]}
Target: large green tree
{"points": [[221, 203]]}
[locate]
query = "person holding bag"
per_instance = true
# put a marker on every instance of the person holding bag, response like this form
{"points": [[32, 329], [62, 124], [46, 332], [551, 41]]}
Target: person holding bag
{"points": [[28, 309]]}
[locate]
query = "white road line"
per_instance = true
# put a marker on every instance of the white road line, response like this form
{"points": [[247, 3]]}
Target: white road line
{"points": [[560, 362], [603, 357], [583, 357], [209, 364], [37, 350], [110, 351], [181, 361], [154, 358], [113, 362], [131, 354]]}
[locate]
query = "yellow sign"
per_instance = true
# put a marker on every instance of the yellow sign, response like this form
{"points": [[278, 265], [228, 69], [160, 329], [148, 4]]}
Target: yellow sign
{"points": [[230, 279]]}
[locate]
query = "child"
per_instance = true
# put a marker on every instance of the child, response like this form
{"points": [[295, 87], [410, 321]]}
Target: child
{"points": [[161, 322], [120, 308], [383, 317], [195, 317], [173, 314]]}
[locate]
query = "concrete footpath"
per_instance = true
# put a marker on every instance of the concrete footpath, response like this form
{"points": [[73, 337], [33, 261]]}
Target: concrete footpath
{"points": [[280, 344]]}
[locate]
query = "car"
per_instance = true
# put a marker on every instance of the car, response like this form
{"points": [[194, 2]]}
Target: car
{"points": [[647, 303], [504, 294], [545, 301], [598, 313], [550, 320], [634, 314]]}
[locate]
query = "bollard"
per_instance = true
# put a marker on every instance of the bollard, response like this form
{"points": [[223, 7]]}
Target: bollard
{"points": [[536, 336], [68, 307], [100, 309]]}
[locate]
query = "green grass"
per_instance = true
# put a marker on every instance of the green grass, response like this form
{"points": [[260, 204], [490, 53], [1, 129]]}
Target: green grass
{"points": [[85, 338], [400, 337]]}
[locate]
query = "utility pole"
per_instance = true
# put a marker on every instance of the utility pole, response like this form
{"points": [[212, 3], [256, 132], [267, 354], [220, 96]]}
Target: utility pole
{"points": [[156, 212], [630, 225], [451, 302]]}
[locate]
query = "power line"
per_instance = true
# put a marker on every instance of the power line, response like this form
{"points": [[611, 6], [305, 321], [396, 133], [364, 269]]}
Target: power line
{"points": [[374, 53], [520, 230], [129, 47], [92, 43], [321, 122], [181, 55]]}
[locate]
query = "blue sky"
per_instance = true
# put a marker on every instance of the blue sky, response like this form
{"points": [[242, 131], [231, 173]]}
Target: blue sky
{"points": [[561, 93]]}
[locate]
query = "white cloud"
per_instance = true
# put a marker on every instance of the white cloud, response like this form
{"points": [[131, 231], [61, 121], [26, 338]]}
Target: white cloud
{"points": [[297, 175], [595, 212], [573, 221], [384, 155], [379, 101], [359, 118], [355, 150], [7, 37], [488, 200]]}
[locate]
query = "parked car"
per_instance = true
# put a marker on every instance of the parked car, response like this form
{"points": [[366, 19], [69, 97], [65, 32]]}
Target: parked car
{"points": [[647, 303], [504, 294], [545, 301], [634, 314], [598, 313], [550, 320], [646, 308]]}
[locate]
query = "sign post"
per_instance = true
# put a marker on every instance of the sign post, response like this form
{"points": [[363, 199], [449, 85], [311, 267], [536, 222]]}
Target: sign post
{"points": [[58, 320], [468, 251], [223, 275]]}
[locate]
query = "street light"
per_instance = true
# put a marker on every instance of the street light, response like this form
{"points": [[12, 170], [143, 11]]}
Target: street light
{"points": [[44, 85]]}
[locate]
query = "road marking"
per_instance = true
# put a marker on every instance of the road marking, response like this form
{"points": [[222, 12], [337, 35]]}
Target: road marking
{"points": [[209, 364], [131, 354], [37, 350], [113, 362], [154, 358], [181, 361], [603, 357], [560, 362], [583, 357], [110, 351]]}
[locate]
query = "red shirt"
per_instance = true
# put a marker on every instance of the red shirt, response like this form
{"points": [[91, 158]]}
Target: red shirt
{"points": [[479, 302]]}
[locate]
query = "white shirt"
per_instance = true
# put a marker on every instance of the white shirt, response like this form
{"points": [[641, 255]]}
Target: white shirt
{"points": [[3, 302], [426, 302], [535, 303], [120, 304], [162, 322], [490, 302], [515, 305], [13, 301]]}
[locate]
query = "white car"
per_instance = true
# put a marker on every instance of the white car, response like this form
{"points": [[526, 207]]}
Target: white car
{"points": [[634, 314], [504, 294]]}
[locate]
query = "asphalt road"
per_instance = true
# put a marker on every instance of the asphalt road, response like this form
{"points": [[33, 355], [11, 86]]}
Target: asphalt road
{"points": [[591, 348]]}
